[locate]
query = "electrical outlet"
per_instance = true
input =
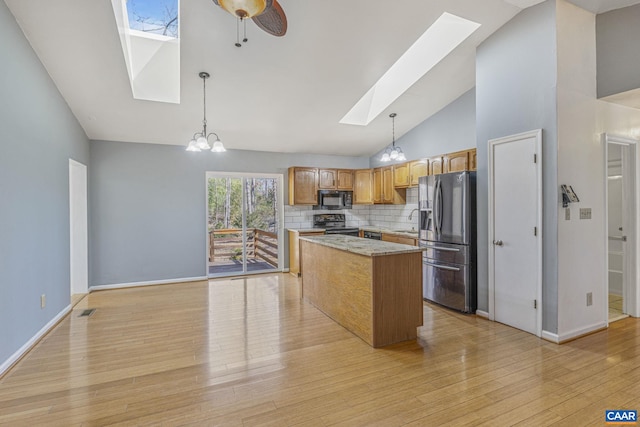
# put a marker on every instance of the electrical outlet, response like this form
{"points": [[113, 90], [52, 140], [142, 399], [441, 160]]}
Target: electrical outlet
{"points": [[43, 301], [589, 298], [585, 213], [567, 214]]}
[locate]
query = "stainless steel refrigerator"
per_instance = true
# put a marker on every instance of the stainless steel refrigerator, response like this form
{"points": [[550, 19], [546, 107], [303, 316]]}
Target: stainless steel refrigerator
{"points": [[447, 206]]}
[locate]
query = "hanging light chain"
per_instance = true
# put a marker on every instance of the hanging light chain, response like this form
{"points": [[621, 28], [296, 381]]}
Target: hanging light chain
{"points": [[393, 128]]}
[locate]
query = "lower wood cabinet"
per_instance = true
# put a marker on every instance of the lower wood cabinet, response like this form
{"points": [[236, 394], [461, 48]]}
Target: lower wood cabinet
{"points": [[294, 248], [394, 238]]}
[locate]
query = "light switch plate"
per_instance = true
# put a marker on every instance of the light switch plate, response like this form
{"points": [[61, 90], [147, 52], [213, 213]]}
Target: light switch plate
{"points": [[567, 214], [585, 213]]}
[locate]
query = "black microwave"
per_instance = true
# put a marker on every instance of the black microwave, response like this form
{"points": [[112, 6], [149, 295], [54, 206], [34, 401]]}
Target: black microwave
{"points": [[334, 199]]}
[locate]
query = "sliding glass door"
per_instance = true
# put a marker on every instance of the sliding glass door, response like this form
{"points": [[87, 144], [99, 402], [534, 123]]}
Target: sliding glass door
{"points": [[244, 223]]}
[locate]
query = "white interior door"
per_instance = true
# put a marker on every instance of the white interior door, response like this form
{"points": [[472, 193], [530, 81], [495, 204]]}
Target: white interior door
{"points": [[78, 234], [622, 290], [515, 233]]}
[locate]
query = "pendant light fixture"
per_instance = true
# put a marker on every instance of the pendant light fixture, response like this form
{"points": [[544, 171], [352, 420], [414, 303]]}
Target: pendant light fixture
{"points": [[200, 140], [393, 152]]}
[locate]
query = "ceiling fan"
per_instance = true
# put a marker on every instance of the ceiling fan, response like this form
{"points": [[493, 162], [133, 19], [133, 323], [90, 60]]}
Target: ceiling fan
{"points": [[267, 14]]}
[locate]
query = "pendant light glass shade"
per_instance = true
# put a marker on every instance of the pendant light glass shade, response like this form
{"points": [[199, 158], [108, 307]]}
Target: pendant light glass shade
{"points": [[393, 152], [218, 147], [200, 140]]}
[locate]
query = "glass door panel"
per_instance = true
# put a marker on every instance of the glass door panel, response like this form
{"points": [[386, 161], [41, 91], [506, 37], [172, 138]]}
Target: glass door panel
{"points": [[243, 224], [262, 224], [225, 219]]}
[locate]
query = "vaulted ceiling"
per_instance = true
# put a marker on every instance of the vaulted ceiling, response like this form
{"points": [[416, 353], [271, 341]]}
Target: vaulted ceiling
{"points": [[272, 94]]}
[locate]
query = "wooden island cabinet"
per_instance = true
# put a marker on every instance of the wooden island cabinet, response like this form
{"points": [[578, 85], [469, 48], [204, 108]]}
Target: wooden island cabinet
{"points": [[294, 247], [370, 287]]}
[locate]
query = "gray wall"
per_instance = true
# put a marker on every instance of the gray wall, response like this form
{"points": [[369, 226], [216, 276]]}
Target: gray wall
{"points": [[148, 206], [617, 33], [38, 135], [451, 129], [516, 72]]}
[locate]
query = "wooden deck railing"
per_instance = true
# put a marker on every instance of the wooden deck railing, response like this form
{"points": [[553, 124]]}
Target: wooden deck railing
{"points": [[226, 244]]}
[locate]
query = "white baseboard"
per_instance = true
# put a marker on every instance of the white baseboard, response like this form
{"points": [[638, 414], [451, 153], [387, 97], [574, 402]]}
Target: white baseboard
{"points": [[576, 333], [148, 283], [550, 336], [7, 364], [483, 314]]}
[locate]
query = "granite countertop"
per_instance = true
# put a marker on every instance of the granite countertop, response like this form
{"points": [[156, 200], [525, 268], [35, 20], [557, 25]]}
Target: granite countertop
{"points": [[366, 247], [405, 233], [306, 230]]}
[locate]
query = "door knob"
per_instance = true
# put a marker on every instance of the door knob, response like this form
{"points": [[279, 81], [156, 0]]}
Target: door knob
{"points": [[498, 242]]}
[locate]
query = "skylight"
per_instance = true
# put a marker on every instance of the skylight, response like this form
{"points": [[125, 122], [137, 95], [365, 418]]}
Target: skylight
{"points": [[433, 46], [149, 32], [158, 17]]}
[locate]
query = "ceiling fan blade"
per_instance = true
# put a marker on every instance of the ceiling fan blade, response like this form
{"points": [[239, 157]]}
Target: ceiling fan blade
{"points": [[272, 20]]}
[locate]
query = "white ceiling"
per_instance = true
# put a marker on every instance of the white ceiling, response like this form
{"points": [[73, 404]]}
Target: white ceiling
{"points": [[273, 94]]}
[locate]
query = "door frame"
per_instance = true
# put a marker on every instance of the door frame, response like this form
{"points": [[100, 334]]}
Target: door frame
{"points": [[78, 229], [631, 291], [280, 215], [537, 134]]}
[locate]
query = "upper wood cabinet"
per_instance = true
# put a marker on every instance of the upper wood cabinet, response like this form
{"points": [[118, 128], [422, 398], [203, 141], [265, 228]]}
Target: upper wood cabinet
{"points": [[303, 186], [418, 168], [456, 162], [401, 175], [327, 179], [363, 187], [383, 189], [387, 184], [345, 179], [436, 165], [335, 179], [377, 185], [473, 165]]}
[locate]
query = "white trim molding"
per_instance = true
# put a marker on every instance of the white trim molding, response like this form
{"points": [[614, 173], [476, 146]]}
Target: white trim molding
{"points": [[15, 357], [147, 283], [483, 314], [577, 333], [550, 336]]}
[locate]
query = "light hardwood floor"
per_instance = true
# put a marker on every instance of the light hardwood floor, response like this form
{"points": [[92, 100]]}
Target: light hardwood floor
{"points": [[249, 352]]}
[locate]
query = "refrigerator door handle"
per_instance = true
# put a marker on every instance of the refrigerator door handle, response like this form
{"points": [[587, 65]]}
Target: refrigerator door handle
{"points": [[440, 248], [440, 208], [443, 267], [435, 206]]}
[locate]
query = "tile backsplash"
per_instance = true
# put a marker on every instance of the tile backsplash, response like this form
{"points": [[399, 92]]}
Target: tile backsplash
{"points": [[395, 217]]}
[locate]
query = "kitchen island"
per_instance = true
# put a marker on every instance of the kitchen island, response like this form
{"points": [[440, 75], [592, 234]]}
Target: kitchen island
{"points": [[370, 287]]}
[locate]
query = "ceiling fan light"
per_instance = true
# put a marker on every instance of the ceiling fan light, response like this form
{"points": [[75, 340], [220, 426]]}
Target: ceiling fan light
{"points": [[244, 8], [218, 147], [193, 146]]}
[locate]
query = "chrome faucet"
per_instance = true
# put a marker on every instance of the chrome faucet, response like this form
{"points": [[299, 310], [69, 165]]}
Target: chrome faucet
{"points": [[411, 214]]}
